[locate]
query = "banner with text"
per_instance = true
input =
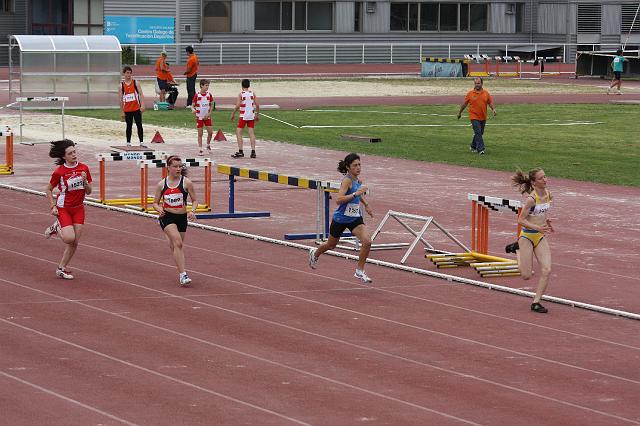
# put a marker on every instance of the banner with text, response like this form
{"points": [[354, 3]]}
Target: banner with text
{"points": [[141, 29]]}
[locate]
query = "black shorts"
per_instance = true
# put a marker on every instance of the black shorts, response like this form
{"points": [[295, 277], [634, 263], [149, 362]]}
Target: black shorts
{"points": [[179, 219], [617, 75], [162, 84], [336, 229]]}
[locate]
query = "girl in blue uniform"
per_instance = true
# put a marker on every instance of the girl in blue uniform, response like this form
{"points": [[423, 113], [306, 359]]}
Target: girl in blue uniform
{"points": [[349, 215], [535, 224]]}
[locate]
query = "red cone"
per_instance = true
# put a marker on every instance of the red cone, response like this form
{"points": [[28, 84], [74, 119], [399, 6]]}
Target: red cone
{"points": [[157, 138], [219, 137]]}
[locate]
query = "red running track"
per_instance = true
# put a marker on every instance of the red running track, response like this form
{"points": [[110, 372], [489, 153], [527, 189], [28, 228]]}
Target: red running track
{"points": [[261, 339]]}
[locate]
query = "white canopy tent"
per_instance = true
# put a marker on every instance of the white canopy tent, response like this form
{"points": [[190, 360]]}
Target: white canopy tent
{"points": [[84, 68]]}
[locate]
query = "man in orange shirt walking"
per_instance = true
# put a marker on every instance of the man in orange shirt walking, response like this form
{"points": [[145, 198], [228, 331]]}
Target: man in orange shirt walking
{"points": [[162, 75], [477, 99], [192, 74]]}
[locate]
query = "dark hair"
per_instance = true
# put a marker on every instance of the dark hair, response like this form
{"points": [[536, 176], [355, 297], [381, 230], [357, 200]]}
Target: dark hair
{"points": [[481, 80], [343, 165], [189, 49], [619, 52], [203, 82], [246, 83], [126, 68], [58, 148], [173, 158], [524, 183]]}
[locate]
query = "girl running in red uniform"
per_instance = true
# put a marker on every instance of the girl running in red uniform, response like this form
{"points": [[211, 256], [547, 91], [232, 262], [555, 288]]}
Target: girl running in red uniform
{"points": [[73, 181], [172, 191]]}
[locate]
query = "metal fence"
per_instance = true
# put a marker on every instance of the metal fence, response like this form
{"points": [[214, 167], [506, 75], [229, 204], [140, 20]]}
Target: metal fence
{"points": [[338, 53]]}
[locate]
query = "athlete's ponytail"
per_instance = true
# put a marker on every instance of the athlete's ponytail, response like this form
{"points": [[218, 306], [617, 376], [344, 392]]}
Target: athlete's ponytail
{"points": [[523, 182], [173, 158], [58, 148], [343, 165]]}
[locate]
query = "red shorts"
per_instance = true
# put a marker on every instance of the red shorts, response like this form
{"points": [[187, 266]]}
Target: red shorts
{"points": [[242, 123], [68, 216], [200, 123]]}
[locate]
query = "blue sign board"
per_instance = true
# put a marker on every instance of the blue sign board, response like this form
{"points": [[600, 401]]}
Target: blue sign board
{"points": [[141, 29], [441, 69]]}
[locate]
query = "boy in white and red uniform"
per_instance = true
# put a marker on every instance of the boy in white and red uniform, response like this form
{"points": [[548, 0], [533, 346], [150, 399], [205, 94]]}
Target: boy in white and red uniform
{"points": [[201, 106], [247, 104], [73, 181]]}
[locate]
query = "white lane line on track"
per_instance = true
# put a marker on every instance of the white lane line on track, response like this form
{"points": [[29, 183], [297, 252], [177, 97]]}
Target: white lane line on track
{"points": [[66, 398], [208, 343], [281, 121], [357, 346], [377, 112], [365, 287]]}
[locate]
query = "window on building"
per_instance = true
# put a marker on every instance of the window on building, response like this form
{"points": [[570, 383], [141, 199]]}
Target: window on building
{"points": [[6, 6], [429, 16], [438, 17], [357, 17], [589, 18], [519, 17], [216, 16], [628, 14], [478, 17], [51, 17], [88, 17], [448, 16], [297, 15]]}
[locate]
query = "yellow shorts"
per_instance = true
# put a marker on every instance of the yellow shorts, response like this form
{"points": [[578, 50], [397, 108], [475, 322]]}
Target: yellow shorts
{"points": [[534, 236]]}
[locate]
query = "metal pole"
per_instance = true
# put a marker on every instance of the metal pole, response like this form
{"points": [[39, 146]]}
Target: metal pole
{"points": [[231, 194]]}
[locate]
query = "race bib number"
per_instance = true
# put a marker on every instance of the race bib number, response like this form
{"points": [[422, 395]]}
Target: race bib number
{"points": [[75, 183], [173, 200], [352, 210], [129, 97]]}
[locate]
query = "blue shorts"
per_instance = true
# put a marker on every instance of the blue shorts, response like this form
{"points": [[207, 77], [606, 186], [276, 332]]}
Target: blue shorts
{"points": [[162, 84]]}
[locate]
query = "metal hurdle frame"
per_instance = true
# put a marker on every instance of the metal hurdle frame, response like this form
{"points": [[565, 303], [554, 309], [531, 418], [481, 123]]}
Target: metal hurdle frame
{"points": [[123, 156], [7, 168], [145, 198], [418, 235], [21, 100], [323, 188]]}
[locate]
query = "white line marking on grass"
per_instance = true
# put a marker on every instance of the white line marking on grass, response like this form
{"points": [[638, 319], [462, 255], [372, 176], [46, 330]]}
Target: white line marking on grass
{"points": [[577, 123], [281, 121], [73, 401], [378, 112]]}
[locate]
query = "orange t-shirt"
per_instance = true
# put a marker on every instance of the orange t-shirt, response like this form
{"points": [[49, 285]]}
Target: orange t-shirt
{"points": [[161, 68], [478, 102], [192, 64]]}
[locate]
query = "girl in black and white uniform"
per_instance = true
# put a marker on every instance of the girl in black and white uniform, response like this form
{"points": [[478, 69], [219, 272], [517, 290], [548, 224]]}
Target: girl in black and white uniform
{"points": [[173, 216]]}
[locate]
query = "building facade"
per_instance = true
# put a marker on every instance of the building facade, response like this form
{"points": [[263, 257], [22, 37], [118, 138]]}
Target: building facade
{"points": [[607, 22]]}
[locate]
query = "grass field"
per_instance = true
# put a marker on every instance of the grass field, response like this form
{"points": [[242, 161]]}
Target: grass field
{"points": [[597, 143]]}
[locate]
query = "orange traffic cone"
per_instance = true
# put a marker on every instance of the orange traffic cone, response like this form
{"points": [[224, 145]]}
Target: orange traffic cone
{"points": [[219, 137], [157, 138]]}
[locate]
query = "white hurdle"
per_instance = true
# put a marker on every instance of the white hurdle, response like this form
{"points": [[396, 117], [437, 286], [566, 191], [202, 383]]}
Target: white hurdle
{"points": [[21, 100]]}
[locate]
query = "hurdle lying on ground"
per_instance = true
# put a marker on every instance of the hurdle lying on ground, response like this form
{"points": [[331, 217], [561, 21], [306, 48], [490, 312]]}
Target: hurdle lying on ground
{"points": [[477, 257], [7, 168]]}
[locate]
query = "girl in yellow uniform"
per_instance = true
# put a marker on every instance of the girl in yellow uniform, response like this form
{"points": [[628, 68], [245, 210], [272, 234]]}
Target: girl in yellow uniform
{"points": [[535, 222]]}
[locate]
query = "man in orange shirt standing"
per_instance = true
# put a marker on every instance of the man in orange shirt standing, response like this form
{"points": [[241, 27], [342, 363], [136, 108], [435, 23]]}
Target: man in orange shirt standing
{"points": [[162, 74], [477, 99], [192, 74]]}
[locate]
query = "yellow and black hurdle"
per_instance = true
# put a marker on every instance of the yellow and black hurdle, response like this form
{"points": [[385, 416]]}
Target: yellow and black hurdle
{"points": [[323, 188], [7, 168]]}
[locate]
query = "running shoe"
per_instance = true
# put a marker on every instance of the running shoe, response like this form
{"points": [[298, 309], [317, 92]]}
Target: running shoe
{"points": [[481, 152], [238, 154], [537, 307], [511, 248], [64, 274], [52, 230], [185, 280], [361, 275], [313, 260], [253, 154]]}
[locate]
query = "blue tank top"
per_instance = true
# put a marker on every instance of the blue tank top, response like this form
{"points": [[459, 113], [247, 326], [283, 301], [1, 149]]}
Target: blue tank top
{"points": [[350, 211]]}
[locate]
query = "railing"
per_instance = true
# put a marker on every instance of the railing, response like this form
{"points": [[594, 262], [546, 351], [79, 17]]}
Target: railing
{"points": [[339, 53]]}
